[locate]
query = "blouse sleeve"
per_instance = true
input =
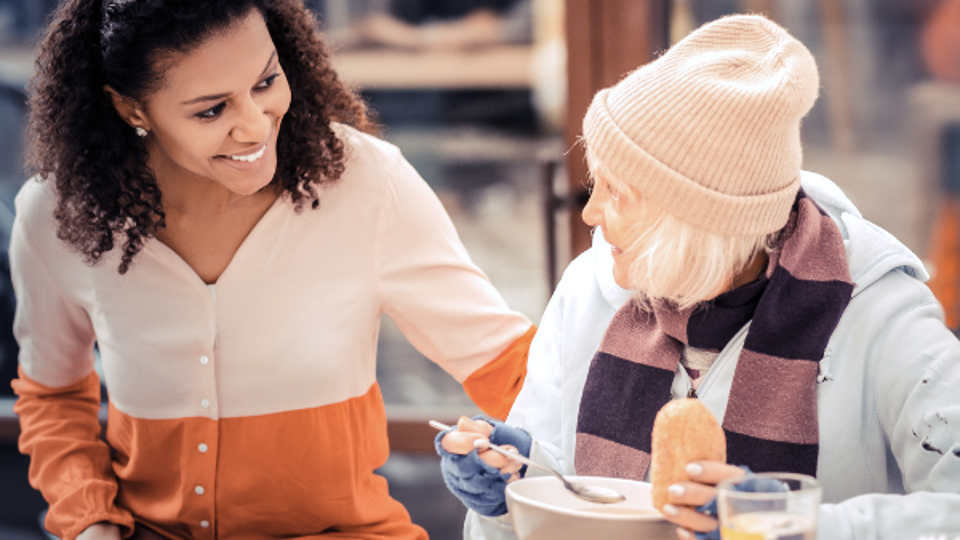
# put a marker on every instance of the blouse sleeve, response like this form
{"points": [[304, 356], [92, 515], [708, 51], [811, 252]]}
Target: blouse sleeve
{"points": [[58, 389], [440, 300]]}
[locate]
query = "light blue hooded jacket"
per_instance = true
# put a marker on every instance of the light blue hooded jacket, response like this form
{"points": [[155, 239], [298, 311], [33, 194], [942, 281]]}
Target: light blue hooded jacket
{"points": [[888, 388]]}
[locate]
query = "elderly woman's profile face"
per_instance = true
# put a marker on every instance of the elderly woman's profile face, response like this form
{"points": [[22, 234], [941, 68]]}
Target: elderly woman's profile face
{"points": [[608, 209], [217, 114]]}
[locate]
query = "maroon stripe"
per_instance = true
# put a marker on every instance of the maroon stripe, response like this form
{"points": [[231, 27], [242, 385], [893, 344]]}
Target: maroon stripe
{"points": [[773, 398], [763, 455], [795, 317], [713, 326], [613, 376]]}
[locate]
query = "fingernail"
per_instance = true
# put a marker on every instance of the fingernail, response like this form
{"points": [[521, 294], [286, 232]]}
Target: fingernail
{"points": [[480, 443], [670, 510], [676, 490], [694, 469], [683, 533]]}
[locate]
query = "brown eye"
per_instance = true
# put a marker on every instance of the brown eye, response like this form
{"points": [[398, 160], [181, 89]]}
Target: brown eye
{"points": [[212, 112], [268, 82]]}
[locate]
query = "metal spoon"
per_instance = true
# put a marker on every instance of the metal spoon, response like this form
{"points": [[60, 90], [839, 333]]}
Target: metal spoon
{"points": [[596, 494]]}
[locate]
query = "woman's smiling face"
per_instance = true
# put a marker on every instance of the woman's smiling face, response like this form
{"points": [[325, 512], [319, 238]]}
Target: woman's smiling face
{"points": [[611, 207], [217, 114]]}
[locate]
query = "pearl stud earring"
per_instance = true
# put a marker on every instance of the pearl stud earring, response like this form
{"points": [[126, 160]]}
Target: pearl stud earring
{"points": [[141, 132]]}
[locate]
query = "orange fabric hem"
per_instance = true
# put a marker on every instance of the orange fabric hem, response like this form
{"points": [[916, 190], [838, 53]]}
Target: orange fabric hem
{"points": [[495, 386], [69, 464], [122, 520]]}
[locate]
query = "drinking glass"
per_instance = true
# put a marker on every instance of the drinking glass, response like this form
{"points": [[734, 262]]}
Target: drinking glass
{"points": [[769, 506]]}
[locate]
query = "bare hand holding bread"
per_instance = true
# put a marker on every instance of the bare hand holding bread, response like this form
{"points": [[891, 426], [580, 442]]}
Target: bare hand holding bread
{"points": [[683, 431]]}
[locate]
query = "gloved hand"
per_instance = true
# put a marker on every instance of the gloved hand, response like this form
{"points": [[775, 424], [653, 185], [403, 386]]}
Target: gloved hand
{"points": [[479, 477], [749, 484]]}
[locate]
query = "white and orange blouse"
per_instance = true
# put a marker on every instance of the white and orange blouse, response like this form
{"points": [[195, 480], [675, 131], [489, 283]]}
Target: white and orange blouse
{"points": [[249, 410]]}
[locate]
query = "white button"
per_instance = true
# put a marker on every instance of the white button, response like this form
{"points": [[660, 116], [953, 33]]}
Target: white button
{"points": [[199, 490], [204, 524], [204, 360], [203, 448], [205, 404]]}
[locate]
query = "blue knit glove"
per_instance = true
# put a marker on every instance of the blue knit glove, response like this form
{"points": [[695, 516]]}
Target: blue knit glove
{"points": [[748, 484], [479, 486]]}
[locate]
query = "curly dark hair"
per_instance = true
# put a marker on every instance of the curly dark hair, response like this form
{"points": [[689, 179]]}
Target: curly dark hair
{"points": [[105, 190]]}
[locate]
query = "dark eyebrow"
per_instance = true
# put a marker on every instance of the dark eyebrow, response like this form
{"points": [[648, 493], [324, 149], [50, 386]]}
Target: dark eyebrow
{"points": [[218, 97]]}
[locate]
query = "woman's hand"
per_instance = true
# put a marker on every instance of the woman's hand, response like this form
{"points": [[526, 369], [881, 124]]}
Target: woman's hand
{"points": [[684, 497], [465, 438], [476, 475], [100, 531]]}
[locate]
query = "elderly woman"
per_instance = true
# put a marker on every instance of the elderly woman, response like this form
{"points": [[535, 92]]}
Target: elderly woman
{"points": [[722, 271]]}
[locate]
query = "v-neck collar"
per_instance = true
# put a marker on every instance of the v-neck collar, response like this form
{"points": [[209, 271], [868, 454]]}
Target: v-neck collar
{"points": [[167, 253]]}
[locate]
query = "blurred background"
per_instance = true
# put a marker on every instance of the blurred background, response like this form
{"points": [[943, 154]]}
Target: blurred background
{"points": [[485, 98]]}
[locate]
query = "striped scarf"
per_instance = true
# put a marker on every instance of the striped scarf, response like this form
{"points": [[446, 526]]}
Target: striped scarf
{"points": [[771, 415]]}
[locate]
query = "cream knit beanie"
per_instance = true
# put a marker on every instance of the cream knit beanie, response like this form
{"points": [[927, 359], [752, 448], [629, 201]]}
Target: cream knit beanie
{"points": [[710, 131]]}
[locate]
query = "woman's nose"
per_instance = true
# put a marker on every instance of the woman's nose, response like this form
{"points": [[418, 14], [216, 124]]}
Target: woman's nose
{"points": [[253, 124], [592, 213]]}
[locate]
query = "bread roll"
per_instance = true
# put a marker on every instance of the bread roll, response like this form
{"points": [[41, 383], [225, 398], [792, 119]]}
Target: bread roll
{"points": [[684, 430]]}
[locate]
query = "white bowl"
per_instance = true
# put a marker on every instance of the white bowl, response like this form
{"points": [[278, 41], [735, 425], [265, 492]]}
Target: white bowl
{"points": [[542, 509]]}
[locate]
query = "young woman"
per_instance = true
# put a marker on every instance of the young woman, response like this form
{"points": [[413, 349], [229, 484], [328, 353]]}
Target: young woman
{"points": [[209, 213], [720, 270]]}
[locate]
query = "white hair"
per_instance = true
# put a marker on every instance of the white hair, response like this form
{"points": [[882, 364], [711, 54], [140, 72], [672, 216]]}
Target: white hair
{"points": [[673, 260]]}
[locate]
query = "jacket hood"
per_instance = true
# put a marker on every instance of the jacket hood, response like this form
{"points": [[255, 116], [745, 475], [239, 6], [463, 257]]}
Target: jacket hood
{"points": [[871, 251]]}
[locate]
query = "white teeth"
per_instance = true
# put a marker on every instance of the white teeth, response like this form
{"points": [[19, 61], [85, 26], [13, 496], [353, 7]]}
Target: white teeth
{"points": [[252, 157]]}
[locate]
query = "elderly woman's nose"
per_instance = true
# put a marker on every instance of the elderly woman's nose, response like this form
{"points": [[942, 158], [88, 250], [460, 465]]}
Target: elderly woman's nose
{"points": [[592, 213]]}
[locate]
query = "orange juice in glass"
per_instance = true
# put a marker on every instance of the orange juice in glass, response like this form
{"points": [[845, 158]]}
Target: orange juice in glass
{"points": [[769, 506]]}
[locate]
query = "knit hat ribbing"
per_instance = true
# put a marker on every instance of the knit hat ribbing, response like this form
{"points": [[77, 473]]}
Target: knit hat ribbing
{"points": [[710, 131]]}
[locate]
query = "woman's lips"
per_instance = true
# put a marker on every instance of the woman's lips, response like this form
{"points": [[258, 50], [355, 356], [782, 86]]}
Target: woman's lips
{"points": [[250, 158], [246, 162]]}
